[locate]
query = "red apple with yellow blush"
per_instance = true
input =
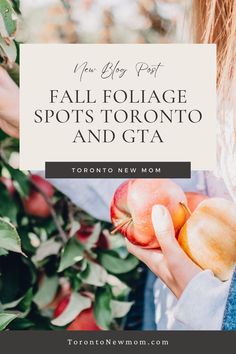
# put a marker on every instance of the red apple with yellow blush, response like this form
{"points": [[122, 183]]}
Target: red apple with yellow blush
{"points": [[132, 203]]}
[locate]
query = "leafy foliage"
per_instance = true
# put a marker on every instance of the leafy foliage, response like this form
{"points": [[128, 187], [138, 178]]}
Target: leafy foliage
{"points": [[8, 27], [68, 255]]}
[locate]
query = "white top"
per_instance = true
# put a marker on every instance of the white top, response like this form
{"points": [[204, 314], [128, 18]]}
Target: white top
{"points": [[200, 307]]}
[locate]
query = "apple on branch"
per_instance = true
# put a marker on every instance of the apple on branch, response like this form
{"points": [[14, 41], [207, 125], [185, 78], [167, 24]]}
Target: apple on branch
{"points": [[35, 204]]}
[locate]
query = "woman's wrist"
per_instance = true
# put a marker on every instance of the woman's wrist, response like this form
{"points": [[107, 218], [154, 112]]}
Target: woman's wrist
{"points": [[183, 270], [183, 277], [202, 303]]}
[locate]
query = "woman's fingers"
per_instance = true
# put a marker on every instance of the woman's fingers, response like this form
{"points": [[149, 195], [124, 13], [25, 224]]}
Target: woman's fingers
{"points": [[156, 262], [145, 255], [165, 234], [179, 264], [170, 263], [153, 258], [164, 229]]}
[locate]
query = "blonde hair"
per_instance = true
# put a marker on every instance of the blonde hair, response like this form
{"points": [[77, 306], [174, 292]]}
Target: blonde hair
{"points": [[215, 22]]}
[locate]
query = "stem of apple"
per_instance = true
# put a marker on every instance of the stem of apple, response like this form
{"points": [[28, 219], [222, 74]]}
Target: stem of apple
{"points": [[186, 208], [123, 223]]}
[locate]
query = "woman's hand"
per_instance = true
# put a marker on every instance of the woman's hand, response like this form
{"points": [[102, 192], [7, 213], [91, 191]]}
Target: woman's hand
{"points": [[170, 264], [9, 105]]}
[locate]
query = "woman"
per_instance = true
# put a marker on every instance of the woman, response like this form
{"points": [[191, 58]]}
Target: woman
{"points": [[186, 296], [202, 299]]}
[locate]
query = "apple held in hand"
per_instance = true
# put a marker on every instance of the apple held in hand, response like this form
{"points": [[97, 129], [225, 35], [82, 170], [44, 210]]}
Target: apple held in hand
{"points": [[35, 204], [209, 236], [132, 204], [194, 199]]}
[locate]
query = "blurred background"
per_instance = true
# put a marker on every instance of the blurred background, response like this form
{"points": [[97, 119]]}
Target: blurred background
{"points": [[104, 21]]}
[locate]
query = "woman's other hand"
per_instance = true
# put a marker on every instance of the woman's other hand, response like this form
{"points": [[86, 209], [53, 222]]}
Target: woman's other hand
{"points": [[9, 105], [170, 263]]}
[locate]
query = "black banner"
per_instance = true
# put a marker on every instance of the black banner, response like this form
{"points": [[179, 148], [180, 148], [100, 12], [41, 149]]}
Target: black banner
{"points": [[65, 342], [118, 169]]}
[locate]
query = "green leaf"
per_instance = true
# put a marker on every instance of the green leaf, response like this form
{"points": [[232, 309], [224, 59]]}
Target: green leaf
{"points": [[93, 238], [11, 305], [21, 181], [71, 254], [116, 241], [14, 70], [102, 307], [94, 275], [66, 4], [17, 275], [74, 227], [22, 304], [47, 291], [8, 207], [25, 239], [5, 319], [118, 287], [16, 5], [9, 238], [117, 265], [8, 19], [3, 252], [25, 303], [21, 324], [120, 309], [8, 51], [76, 304], [47, 248], [74, 278], [3, 136]]}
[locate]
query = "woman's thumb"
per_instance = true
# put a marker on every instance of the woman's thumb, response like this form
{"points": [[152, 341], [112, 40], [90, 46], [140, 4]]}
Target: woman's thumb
{"points": [[163, 226]]}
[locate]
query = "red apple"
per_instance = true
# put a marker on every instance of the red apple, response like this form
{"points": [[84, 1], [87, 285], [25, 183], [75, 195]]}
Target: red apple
{"points": [[61, 306], [35, 204], [85, 321], [85, 232], [63, 293], [103, 242], [132, 203], [43, 185], [194, 199]]}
